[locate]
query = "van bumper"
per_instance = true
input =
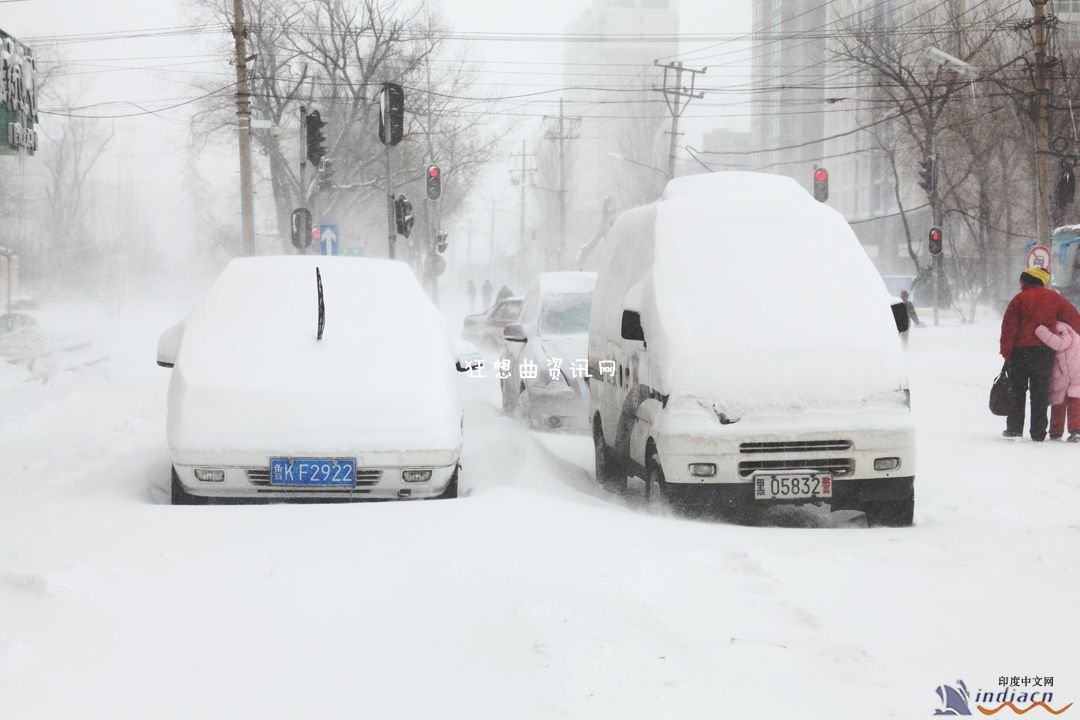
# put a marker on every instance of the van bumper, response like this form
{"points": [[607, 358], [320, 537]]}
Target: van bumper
{"points": [[851, 494]]}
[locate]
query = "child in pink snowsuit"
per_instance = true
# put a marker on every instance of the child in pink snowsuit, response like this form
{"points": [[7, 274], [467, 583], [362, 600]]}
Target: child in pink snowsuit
{"points": [[1064, 379]]}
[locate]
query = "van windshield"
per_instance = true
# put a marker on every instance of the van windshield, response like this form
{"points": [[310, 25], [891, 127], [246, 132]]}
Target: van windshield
{"points": [[565, 314]]}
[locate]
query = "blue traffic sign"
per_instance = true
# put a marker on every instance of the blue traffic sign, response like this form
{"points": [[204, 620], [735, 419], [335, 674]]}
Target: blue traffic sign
{"points": [[329, 242]]}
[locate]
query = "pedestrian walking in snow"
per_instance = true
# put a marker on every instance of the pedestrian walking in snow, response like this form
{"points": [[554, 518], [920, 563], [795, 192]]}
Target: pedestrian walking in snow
{"points": [[504, 292], [485, 294], [912, 315], [1064, 379], [470, 290], [1029, 361]]}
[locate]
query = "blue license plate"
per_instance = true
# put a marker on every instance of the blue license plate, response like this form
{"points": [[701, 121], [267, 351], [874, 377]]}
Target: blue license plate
{"points": [[312, 471]]}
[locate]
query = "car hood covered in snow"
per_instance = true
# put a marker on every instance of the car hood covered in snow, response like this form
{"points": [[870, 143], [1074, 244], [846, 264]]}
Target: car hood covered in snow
{"points": [[251, 373]]}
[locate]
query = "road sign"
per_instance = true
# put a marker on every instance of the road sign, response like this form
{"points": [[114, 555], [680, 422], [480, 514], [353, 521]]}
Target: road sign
{"points": [[329, 243], [1039, 256]]}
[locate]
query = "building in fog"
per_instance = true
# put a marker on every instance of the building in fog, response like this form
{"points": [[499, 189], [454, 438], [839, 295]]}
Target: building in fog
{"points": [[621, 152]]}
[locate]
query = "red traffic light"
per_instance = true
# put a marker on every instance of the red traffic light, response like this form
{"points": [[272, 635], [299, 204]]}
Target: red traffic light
{"points": [[434, 182], [821, 175], [935, 234]]}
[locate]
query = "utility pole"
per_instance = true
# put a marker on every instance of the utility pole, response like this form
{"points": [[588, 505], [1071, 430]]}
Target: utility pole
{"points": [[243, 119], [491, 249], [1042, 119], [677, 98], [522, 180], [565, 130]]}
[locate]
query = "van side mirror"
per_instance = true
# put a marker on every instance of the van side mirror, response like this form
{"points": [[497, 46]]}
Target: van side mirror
{"points": [[631, 326], [169, 345], [900, 315], [514, 332]]}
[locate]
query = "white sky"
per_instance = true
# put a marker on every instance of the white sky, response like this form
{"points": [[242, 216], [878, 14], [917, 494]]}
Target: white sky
{"points": [[148, 150]]}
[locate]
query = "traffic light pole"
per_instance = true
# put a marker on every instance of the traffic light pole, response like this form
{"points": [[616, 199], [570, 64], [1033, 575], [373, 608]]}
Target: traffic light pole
{"points": [[303, 169], [243, 118], [391, 229]]}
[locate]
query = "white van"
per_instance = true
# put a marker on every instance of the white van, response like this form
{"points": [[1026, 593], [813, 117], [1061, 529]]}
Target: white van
{"points": [[743, 348]]}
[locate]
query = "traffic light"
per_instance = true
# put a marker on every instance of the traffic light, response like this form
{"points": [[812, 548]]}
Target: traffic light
{"points": [[821, 184], [935, 240], [928, 175], [326, 174], [391, 114], [301, 228], [434, 182], [440, 242], [315, 138], [403, 215]]}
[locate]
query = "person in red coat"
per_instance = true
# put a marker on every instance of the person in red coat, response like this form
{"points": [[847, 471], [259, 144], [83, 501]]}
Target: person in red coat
{"points": [[1028, 360]]}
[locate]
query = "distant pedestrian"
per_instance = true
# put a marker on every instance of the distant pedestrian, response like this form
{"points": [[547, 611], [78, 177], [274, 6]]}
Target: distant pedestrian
{"points": [[912, 315], [485, 294], [1028, 360], [1064, 379], [470, 290], [504, 292]]}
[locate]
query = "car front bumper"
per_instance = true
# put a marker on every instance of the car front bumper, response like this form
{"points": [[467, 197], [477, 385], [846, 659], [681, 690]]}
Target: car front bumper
{"points": [[556, 406], [377, 478]]}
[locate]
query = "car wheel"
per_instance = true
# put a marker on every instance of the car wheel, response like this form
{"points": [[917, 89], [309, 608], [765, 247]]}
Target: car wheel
{"points": [[522, 408], [891, 513], [180, 496], [507, 404], [608, 474], [451, 490], [656, 485]]}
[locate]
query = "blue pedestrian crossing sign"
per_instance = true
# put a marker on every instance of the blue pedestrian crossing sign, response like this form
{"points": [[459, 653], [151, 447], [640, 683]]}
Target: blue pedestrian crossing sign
{"points": [[329, 242]]}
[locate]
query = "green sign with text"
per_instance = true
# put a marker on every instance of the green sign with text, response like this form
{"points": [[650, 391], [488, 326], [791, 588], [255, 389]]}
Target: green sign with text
{"points": [[18, 97]]}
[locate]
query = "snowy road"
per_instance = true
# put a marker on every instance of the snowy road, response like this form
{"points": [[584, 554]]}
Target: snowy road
{"points": [[536, 596]]}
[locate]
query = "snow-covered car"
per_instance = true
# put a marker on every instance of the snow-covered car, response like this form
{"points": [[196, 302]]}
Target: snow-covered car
{"points": [[725, 370], [313, 377], [485, 328], [542, 364]]}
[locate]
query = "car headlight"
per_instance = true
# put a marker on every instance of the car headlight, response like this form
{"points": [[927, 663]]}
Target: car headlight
{"points": [[411, 476], [209, 475]]}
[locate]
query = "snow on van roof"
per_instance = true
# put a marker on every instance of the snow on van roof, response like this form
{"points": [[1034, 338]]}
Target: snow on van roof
{"points": [[753, 295]]}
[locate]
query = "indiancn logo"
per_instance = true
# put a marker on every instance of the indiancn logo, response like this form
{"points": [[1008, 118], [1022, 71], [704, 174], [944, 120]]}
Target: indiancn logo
{"points": [[1017, 694]]}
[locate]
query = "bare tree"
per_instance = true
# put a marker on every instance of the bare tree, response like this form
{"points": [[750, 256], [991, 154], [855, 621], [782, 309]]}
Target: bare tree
{"points": [[333, 55]]}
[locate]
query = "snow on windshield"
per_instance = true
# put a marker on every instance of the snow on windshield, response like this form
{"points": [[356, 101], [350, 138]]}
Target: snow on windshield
{"points": [[565, 314]]}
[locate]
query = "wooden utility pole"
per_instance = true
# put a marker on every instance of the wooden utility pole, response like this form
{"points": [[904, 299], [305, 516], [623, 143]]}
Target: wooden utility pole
{"points": [[522, 180], [1042, 119], [243, 118], [677, 98], [564, 130]]}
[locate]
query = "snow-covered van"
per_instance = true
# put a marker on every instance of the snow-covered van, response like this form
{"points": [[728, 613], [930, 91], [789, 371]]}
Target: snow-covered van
{"points": [[743, 348]]}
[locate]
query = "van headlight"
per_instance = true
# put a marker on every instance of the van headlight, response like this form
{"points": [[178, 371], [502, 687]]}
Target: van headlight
{"points": [[703, 469], [411, 476], [886, 463]]}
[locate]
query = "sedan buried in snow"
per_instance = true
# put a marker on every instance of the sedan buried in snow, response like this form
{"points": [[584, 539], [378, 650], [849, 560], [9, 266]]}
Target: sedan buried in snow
{"points": [[313, 377]]}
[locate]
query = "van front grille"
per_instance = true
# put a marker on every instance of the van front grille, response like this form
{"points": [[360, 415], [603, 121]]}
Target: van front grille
{"points": [[838, 467], [786, 446], [260, 477]]}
